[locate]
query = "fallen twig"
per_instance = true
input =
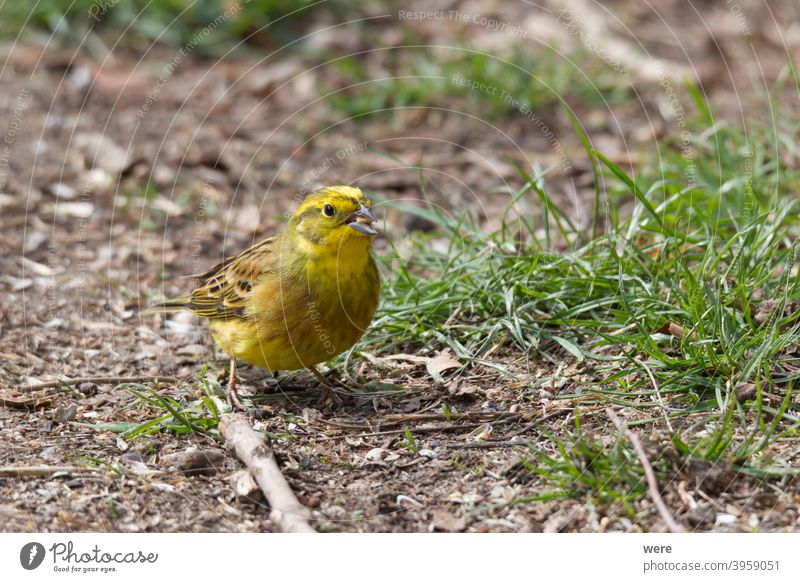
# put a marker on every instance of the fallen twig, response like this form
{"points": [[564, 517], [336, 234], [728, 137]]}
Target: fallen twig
{"points": [[652, 484], [252, 450], [90, 379], [415, 429], [24, 401], [395, 419], [487, 445], [42, 470], [544, 418], [477, 415]]}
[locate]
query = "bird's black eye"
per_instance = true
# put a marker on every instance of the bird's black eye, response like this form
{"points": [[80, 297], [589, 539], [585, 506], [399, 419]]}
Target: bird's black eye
{"points": [[328, 210]]}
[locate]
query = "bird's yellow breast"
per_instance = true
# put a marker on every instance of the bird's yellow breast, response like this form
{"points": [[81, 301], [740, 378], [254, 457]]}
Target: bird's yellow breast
{"points": [[307, 315]]}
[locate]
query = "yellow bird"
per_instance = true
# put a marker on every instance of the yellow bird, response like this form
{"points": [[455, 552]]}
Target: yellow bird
{"points": [[298, 298]]}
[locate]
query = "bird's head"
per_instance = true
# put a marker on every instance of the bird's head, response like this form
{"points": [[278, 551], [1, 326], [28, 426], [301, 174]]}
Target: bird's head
{"points": [[334, 216]]}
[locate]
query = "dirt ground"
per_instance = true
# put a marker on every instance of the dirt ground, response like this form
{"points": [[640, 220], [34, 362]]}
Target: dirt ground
{"points": [[117, 182]]}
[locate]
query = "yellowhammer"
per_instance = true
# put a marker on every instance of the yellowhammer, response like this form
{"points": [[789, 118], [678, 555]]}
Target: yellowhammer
{"points": [[298, 298]]}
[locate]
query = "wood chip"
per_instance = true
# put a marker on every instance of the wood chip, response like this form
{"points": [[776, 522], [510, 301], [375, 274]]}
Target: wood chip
{"points": [[195, 461], [444, 520], [441, 363], [245, 487]]}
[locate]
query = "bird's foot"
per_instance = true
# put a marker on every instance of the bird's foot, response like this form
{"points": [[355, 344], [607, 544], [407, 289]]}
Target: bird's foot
{"points": [[231, 393], [233, 399], [329, 395]]}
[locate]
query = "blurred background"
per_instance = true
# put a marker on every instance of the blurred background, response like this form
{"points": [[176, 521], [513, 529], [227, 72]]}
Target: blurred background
{"points": [[139, 117], [160, 108]]}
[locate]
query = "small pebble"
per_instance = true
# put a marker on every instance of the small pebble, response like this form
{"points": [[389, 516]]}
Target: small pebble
{"points": [[62, 415], [725, 519], [408, 502], [375, 454], [62, 191]]}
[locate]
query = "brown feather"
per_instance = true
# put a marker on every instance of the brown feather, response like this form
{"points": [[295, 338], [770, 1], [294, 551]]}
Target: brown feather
{"points": [[225, 290]]}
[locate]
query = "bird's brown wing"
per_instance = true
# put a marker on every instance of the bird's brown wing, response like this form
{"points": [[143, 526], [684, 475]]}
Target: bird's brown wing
{"points": [[226, 290]]}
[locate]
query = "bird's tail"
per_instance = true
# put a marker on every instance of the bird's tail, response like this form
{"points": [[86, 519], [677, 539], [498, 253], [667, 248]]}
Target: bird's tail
{"points": [[168, 306]]}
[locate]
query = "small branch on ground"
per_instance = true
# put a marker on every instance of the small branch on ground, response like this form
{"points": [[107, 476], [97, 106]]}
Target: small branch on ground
{"points": [[25, 401], [487, 445], [544, 418], [652, 484], [450, 427], [395, 419], [42, 470], [252, 450], [92, 380]]}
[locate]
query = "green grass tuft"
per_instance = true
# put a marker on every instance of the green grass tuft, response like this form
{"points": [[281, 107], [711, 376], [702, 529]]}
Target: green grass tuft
{"points": [[521, 83], [695, 294]]}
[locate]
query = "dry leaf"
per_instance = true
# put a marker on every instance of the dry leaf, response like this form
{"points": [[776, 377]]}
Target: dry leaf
{"points": [[100, 151], [195, 461], [745, 391], [672, 329], [19, 400], [444, 520], [442, 362]]}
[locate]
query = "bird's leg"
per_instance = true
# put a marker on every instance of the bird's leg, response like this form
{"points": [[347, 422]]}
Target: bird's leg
{"points": [[327, 390], [320, 378], [233, 395]]}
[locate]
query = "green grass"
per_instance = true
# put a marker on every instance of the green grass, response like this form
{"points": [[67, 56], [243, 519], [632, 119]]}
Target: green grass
{"points": [[409, 442], [671, 309], [524, 82], [197, 412], [209, 27], [584, 465]]}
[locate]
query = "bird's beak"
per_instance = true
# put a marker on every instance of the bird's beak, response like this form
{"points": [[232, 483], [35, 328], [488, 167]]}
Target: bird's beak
{"points": [[362, 220]]}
